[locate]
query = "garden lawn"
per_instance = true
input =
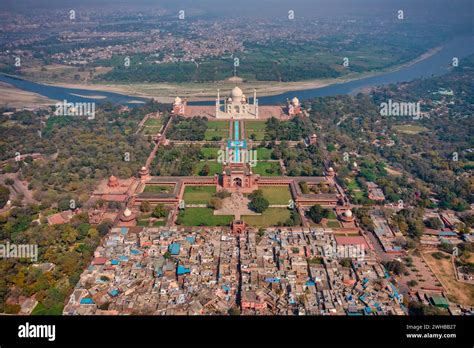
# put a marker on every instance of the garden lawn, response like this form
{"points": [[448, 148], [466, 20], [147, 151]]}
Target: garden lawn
{"points": [[255, 127], [209, 152], [263, 154], [153, 122], [270, 217], [267, 168], [215, 167], [217, 129], [277, 194], [333, 224], [202, 217], [158, 188], [210, 134], [198, 194], [218, 125]]}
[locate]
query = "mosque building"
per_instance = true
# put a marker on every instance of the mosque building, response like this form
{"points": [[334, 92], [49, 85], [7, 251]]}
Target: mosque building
{"points": [[179, 106], [294, 107]]}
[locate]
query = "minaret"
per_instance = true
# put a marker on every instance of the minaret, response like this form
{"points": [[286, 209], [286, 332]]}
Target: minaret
{"points": [[218, 103], [255, 102]]}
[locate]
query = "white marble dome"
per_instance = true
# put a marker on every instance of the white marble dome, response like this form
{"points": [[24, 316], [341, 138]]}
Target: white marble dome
{"points": [[127, 212], [295, 101], [236, 93], [177, 101], [348, 213]]}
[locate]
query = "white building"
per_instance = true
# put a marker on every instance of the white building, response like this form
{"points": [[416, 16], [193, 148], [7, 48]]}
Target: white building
{"points": [[236, 106]]}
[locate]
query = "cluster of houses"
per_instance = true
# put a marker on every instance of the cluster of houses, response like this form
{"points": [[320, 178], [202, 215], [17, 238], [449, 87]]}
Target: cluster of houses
{"points": [[285, 271]]}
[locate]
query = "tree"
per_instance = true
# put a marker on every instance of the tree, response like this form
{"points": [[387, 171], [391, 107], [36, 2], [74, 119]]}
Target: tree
{"points": [[346, 262], [4, 195], [304, 187], [258, 203], [159, 211], [395, 267], [104, 227], [145, 207], [205, 170], [215, 203], [434, 223], [317, 213], [9, 181], [234, 311]]}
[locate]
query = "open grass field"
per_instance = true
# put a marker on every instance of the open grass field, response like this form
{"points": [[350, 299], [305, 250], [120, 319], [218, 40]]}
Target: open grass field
{"points": [[270, 217], [215, 167], [150, 130], [153, 122], [263, 154], [198, 194], [202, 217], [212, 135], [410, 129], [354, 186], [267, 168], [333, 224], [458, 292], [255, 127], [146, 222], [218, 125], [276, 194], [210, 152], [158, 188], [218, 129]]}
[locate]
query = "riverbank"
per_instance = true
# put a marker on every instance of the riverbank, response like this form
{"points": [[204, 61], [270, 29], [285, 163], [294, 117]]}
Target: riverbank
{"points": [[165, 92], [17, 98]]}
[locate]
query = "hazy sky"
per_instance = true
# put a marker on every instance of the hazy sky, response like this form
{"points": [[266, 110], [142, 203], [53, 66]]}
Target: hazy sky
{"points": [[452, 9]]}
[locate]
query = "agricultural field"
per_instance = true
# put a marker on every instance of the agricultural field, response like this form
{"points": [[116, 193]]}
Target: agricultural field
{"points": [[202, 217], [198, 194]]}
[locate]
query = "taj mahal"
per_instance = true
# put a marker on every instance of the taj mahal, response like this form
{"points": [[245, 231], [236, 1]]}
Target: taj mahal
{"points": [[237, 106]]}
